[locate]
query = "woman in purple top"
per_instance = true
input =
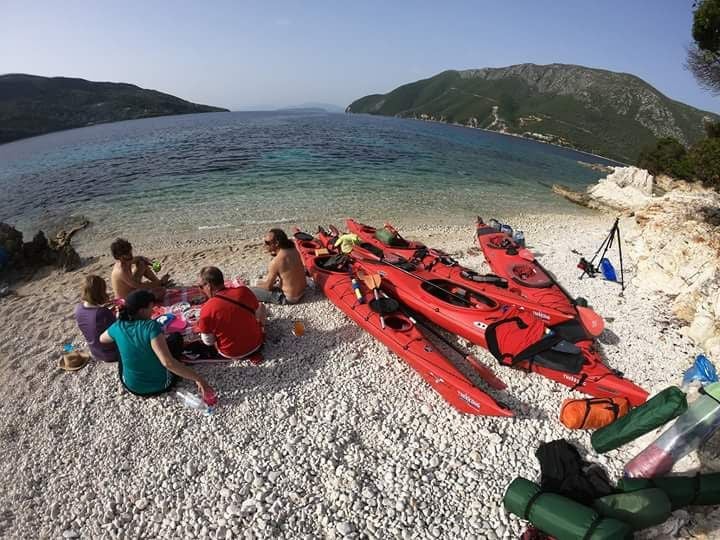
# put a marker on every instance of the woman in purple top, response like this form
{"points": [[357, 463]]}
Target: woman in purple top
{"points": [[94, 318]]}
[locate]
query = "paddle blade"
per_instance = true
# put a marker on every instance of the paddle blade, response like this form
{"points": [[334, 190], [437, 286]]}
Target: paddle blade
{"points": [[486, 373], [372, 281], [591, 321]]}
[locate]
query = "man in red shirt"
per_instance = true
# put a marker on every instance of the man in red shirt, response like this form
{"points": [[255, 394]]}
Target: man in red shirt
{"points": [[232, 319]]}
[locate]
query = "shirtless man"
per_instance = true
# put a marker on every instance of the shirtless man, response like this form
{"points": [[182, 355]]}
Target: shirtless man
{"points": [[285, 282], [129, 271]]}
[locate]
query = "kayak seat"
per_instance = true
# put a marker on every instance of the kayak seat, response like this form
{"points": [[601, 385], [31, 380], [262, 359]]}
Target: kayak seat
{"points": [[332, 263], [398, 323], [490, 279], [529, 275], [559, 361], [501, 241], [450, 293], [303, 236]]}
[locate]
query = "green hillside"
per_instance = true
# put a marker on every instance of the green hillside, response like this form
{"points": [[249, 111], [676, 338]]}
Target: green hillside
{"points": [[32, 105], [598, 111]]}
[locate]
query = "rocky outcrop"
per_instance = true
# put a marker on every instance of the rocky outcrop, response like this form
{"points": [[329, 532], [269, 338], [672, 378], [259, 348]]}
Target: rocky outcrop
{"points": [[674, 240], [625, 189], [17, 256]]}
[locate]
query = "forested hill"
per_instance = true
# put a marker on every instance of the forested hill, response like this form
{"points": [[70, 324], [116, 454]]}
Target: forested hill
{"points": [[598, 111], [32, 105]]}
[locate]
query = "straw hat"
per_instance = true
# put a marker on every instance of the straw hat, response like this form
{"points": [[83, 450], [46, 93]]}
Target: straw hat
{"points": [[73, 361]]}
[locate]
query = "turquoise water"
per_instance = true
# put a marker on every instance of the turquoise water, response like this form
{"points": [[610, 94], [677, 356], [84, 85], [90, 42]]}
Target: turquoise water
{"points": [[179, 174]]}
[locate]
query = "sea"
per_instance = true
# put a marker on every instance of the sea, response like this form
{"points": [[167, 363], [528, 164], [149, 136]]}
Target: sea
{"points": [[179, 175]]}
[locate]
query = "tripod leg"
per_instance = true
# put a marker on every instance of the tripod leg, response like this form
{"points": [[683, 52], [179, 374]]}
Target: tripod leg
{"points": [[622, 273]]}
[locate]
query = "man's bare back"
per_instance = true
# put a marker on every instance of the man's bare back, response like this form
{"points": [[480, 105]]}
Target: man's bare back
{"points": [[291, 273]]}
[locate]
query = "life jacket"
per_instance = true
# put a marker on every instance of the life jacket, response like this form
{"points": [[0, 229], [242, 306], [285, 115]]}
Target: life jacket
{"points": [[524, 338], [592, 413]]}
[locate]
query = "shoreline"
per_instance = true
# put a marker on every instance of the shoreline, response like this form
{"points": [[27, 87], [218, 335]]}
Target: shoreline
{"points": [[331, 434], [516, 135]]}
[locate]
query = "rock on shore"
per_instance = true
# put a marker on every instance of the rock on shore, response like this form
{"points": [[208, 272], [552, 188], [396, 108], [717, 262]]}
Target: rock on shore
{"points": [[674, 239]]}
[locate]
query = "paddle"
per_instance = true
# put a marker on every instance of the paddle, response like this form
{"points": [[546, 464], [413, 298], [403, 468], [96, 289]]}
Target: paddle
{"points": [[485, 373], [591, 321], [373, 282]]}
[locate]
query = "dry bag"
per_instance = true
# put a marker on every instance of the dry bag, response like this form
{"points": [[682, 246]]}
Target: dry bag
{"points": [[592, 413]]}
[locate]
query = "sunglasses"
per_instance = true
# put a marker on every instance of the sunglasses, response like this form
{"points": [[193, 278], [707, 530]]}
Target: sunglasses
{"points": [[268, 242]]}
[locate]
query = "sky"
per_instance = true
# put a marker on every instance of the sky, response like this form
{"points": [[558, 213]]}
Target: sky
{"points": [[268, 54]]}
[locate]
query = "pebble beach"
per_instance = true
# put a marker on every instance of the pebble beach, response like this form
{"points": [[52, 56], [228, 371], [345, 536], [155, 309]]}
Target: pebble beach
{"points": [[332, 437]]}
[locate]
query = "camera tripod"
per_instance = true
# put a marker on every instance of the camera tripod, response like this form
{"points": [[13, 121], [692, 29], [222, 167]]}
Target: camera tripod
{"points": [[590, 269]]}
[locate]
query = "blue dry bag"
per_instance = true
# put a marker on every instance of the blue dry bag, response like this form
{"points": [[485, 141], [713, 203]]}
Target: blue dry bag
{"points": [[608, 270]]}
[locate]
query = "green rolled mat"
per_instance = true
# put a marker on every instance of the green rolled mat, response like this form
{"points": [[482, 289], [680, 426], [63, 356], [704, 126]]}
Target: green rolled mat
{"points": [[559, 516], [702, 489], [655, 412], [639, 509]]}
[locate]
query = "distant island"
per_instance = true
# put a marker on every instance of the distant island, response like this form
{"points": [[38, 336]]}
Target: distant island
{"points": [[594, 110], [32, 105]]}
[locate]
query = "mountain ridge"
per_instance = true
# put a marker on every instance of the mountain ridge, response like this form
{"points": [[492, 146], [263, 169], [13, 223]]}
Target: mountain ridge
{"points": [[32, 105], [594, 110]]}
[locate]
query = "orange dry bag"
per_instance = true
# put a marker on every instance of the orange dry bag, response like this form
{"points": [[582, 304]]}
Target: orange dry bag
{"points": [[592, 413]]}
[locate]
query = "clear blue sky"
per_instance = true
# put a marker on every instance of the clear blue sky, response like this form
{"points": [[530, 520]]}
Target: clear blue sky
{"points": [[277, 53]]}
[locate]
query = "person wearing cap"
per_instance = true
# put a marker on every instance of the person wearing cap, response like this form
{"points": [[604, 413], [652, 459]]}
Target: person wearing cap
{"points": [[285, 282], [132, 273], [147, 366], [232, 319]]}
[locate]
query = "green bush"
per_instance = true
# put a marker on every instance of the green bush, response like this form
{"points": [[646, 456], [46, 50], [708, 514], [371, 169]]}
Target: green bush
{"points": [[704, 158], [665, 157]]}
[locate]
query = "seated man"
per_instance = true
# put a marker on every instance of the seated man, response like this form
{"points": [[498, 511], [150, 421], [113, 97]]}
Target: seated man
{"points": [[232, 320], [129, 271], [285, 282]]}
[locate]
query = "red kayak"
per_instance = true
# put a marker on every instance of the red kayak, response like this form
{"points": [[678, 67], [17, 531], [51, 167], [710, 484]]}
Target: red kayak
{"points": [[517, 264], [467, 312], [443, 266], [396, 331]]}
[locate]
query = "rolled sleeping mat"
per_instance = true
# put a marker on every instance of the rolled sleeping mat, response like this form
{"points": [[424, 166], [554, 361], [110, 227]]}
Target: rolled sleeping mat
{"points": [[655, 412], [559, 516], [639, 509], [701, 489]]}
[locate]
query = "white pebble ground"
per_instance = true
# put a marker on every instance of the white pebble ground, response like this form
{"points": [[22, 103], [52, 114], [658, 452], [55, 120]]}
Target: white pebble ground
{"points": [[332, 437]]}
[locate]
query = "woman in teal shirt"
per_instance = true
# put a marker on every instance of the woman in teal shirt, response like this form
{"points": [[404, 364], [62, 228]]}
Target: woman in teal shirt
{"points": [[146, 365]]}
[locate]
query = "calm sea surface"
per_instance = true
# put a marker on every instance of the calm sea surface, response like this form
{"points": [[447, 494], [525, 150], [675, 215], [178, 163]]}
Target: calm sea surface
{"points": [[173, 175]]}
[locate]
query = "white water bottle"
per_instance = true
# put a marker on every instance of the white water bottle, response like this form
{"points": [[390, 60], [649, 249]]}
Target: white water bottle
{"points": [[193, 401]]}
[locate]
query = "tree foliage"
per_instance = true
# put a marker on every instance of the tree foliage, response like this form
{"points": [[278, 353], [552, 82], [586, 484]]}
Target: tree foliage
{"points": [[703, 58], [664, 157]]}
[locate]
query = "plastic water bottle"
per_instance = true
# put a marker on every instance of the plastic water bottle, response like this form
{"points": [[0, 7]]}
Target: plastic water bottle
{"points": [[688, 432], [519, 238], [193, 401]]}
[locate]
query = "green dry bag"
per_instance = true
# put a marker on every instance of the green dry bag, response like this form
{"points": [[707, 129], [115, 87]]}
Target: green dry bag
{"points": [[387, 237], [559, 516], [655, 412], [639, 509], [681, 490]]}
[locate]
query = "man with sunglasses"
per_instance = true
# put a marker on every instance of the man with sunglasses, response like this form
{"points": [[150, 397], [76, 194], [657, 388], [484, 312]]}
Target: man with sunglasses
{"points": [[285, 282], [131, 273]]}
